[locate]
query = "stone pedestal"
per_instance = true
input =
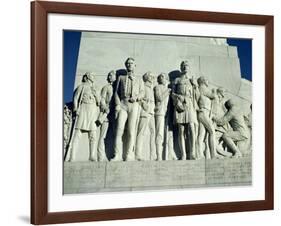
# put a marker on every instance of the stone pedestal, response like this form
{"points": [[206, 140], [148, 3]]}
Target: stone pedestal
{"points": [[89, 177]]}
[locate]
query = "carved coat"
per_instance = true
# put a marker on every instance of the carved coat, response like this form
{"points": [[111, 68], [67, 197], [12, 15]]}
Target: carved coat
{"points": [[128, 87], [161, 99], [184, 101], [106, 103], [147, 103], [86, 103]]}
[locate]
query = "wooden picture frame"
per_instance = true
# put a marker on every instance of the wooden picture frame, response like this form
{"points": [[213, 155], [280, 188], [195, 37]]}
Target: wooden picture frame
{"points": [[39, 112]]}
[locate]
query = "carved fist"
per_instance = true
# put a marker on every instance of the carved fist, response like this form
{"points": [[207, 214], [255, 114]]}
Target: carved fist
{"points": [[181, 98], [117, 108], [132, 100]]}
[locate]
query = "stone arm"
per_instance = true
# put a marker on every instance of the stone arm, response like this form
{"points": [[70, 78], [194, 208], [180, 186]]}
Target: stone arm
{"points": [[207, 92], [77, 97], [141, 94], [175, 96], [225, 119], [116, 94], [103, 104], [196, 93], [96, 95], [159, 97]]}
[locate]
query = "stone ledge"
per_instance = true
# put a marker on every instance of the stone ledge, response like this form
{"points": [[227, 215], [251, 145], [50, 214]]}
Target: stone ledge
{"points": [[90, 177]]}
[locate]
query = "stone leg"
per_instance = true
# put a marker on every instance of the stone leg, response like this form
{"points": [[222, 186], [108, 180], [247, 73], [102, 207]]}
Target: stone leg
{"points": [[229, 138], [159, 123], [74, 145], [118, 144], [200, 140], [171, 155], [181, 139], [93, 145], [101, 144], [192, 140], [151, 126], [142, 128], [132, 125], [208, 125]]}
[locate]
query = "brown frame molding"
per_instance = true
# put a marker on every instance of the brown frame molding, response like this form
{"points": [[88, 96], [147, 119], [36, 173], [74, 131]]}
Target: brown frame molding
{"points": [[39, 107]]}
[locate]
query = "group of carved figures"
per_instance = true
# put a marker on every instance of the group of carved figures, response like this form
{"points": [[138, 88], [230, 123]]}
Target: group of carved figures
{"points": [[207, 126]]}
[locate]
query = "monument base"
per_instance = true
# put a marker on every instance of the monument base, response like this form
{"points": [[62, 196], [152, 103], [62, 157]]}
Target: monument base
{"points": [[90, 177]]}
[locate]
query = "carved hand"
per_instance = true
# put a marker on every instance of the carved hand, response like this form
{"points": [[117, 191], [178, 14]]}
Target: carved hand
{"points": [[117, 108]]}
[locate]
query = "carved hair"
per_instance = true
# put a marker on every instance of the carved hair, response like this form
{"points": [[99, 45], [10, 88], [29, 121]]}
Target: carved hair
{"points": [[162, 74], [86, 77], [111, 72], [129, 58], [183, 62], [146, 75], [229, 104], [201, 80]]}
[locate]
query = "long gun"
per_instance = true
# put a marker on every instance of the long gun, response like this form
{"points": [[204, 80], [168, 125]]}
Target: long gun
{"points": [[69, 146]]}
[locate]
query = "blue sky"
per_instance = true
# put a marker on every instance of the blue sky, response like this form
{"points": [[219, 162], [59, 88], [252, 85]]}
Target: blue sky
{"points": [[71, 48]]}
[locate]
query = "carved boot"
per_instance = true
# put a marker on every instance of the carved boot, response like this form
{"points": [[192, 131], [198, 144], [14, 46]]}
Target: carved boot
{"points": [[159, 152], [93, 156]]}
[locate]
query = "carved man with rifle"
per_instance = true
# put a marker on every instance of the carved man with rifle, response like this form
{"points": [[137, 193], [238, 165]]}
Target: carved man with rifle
{"points": [[85, 108]]}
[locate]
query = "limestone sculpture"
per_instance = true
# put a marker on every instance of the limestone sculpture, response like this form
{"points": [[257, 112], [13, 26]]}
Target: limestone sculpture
{"points": [[146, 120], [206, 127], [85, 108], [129, 92], [106, 114], [239, 132], [67, 123], [185, 112], [203, 124], [161, 92]]}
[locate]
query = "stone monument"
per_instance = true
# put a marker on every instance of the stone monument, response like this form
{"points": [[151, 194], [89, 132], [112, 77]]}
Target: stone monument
{"points": [[197, 110]]}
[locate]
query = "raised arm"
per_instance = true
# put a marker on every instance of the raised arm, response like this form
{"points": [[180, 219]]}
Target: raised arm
{"points": [[225, 119]]}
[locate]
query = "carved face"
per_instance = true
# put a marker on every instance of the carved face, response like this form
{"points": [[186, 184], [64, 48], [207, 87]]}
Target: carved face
{"points": [[130, 65], [184, 67], [161, 79], [91, 77], [206, 82], [111, 77], [148, 77]]}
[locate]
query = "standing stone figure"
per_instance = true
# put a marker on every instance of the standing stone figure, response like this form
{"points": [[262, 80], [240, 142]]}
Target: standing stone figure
{"points": [[218, 108], [146, 120], [161, 92], [85, 108], [129, 91], [239, 130], [67, 121], [185, 114], [106, 114], [206, 127]]}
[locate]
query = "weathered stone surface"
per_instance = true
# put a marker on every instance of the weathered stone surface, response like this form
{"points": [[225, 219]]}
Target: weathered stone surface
{"points": [[229, 171], [245, 90], [101, 52], [232, 51], [151, 173], [81, 177], [90, 177], [222, 72]]}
